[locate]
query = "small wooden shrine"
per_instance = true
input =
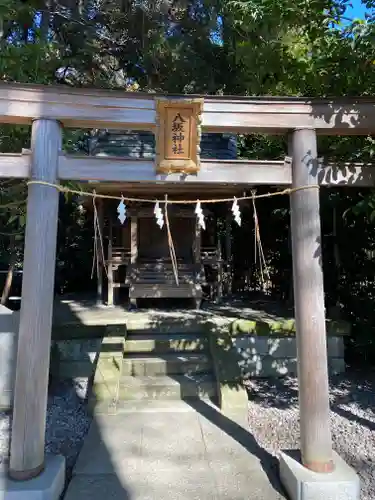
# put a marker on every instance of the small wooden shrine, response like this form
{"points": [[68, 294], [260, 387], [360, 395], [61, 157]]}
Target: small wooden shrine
{"points": [[137, 252], [142, 249]]}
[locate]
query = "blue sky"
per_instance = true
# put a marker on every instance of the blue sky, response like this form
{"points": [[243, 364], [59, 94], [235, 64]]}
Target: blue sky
{"points": [[357, 10]]}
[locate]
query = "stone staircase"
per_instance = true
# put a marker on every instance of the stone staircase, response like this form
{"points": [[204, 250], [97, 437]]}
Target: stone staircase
{"points": [[156, 366], [166, 366]]}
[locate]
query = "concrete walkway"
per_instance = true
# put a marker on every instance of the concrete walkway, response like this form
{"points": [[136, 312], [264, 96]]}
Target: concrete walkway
{"points": [[175, 451]]}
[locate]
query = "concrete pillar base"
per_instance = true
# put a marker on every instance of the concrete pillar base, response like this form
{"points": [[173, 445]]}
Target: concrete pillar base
{"points": [[303, 484], [49, 485]]}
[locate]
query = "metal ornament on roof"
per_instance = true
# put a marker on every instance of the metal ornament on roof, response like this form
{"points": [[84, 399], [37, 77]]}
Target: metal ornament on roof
{"points": [[159, 215], [121, 210], [236, 211], [200, 215]]}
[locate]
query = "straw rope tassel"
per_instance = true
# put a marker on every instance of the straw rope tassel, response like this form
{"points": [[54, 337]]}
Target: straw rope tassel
{"points": [[259, 246], [170, 243], [98, 237], [95, 263]]}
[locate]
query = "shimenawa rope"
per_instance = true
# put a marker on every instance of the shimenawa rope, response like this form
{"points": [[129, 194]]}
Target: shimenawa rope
{"points": [[166, 201], [65, 189]]}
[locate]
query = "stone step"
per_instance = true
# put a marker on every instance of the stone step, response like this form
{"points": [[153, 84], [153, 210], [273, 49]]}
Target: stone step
{"points": [[139, 364], [164, 343], [146, 406], [165, 387], [155, 406], [179, 324]]}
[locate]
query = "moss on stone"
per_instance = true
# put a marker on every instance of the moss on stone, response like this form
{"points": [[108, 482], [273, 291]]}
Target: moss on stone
{"points": [[281, 327]]}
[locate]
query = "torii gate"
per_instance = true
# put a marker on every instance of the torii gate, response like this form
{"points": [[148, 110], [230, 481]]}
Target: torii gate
{"points": [[49, 108]]}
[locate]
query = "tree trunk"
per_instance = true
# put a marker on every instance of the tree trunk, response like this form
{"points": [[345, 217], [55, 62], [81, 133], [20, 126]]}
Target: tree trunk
{"points": [[9, 278], [45, 22]]}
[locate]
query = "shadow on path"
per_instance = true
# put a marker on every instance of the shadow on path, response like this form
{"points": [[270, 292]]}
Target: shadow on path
{"points": [[242, 436]]}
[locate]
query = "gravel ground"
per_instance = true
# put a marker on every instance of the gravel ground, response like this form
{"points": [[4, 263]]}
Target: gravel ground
{"points": [[67, 422], [274, 420]]}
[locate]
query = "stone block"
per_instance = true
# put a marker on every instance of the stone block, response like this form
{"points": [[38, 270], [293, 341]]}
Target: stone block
{"points": [[282, 327], [279, 347], [232, 397], [49, 485], [8, 352], [336, 365], [303, 484], [74, 358], [108, 367], [68, 370], [251, 345], [6, 398], [77, 331], [78, 349], [107, 370], [335, 347], [105, 391], [267, 366], [276, 356]]}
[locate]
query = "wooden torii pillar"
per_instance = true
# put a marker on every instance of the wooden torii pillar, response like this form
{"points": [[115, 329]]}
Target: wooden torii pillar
{"points": [[316, 441], [316, 470], [34, 339]]}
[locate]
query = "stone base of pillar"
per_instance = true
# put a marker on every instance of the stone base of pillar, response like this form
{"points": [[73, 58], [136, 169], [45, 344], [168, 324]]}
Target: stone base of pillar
{"points": [[303, 484], [49, 485]]}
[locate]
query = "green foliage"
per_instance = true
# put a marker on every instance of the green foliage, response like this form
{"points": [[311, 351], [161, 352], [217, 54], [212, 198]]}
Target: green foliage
{"points": [[30, 63], [246, 47], [12, 198]]}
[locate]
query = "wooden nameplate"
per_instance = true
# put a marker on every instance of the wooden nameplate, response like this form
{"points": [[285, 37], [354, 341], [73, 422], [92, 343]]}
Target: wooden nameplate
{"points": [[178, 135]]}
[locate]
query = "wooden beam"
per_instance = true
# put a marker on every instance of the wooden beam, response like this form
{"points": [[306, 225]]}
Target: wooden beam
{"points": [[34, 338], [254, 172], [109, 169], [345, 174], [273, 115], [15, 166], [20, 104], [316, 441], [91, 108]]}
